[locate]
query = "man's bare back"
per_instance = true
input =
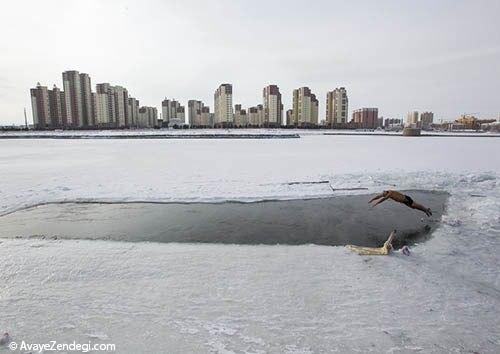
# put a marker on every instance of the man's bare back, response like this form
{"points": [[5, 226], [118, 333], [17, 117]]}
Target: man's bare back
{"points": [[400, 198]]}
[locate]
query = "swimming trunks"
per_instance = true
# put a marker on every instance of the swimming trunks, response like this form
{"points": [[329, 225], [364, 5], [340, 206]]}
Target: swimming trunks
{"points": [[408, 201]]}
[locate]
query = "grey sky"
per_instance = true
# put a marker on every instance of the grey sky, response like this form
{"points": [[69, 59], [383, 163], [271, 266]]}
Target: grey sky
{"points": [[398, 56]]}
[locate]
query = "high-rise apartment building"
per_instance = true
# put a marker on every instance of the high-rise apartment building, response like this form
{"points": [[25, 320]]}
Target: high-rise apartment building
{"points": [[78, 97], [40, 105], [73, 96], [223, 106], [112, 106], [66, 112], [48, 107], [273, 107], [240, 116], [121, 104], [305, 108], [78, 107], [169, 112], [337, 104], [314, 110], [289, 117], [194, 112], [56, 107], [260, 115], [412, 119], [133, 112], [103, 105], [86, 92], [253, 117], [366, 118], [426, 119], [181, 115], [104, 102], [93, 101], [148, 117], [203, 117]]}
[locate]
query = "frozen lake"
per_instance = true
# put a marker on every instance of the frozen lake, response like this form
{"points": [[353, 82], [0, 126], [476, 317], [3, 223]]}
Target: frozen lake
{"points": [[172, 297]]}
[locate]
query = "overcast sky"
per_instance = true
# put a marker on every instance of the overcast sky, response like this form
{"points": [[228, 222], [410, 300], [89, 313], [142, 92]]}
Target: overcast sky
{"points": [[437, 55]]}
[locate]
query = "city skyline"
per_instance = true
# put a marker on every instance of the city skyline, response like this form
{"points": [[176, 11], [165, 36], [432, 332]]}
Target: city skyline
{"points": [[334, 112], [416, 56], [111, 107]]}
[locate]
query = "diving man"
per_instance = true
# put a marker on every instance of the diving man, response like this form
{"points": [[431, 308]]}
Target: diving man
{"points": [[401, 198]]}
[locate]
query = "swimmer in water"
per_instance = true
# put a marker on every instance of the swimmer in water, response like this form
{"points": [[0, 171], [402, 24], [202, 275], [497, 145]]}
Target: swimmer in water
{"points": [[400, 198], [375, 251]]}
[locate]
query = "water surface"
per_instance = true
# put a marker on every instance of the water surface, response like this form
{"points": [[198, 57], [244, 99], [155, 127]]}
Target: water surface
{"points": [[329, 221]]}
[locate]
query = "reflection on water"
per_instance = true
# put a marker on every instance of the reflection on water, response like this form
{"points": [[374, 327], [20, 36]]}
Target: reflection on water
{"points": [[329, 221]]}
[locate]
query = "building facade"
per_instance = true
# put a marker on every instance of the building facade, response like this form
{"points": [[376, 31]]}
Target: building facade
{"points": [[48, 107], [260, 115], [253, 117], [337, 105], [204, 118], [103, 110], [133, 112], [426, 119], [121, 106], [78, 107], [86, 93], [305, 108], [148, 117], [181, 115], [467, 121], [40, 105], [240, 117], [273, 106], [412, 119], [112, 106], [391, 122], [289, 117], [57, 112], [366, 118], [73, 96], [78, 97], [194, 112], [223, 106], [169, 111]]}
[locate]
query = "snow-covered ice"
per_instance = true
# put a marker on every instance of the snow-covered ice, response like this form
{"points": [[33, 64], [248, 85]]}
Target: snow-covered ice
{"points": [[243, 131], [149, 297], [35, 171]]}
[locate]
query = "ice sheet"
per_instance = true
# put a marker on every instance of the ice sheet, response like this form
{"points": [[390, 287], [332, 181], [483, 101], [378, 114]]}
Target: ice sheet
{"points": [[149, 297], [35, 171]]}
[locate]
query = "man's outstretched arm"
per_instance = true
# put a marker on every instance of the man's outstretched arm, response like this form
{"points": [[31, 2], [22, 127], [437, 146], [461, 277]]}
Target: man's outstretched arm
{"points": [[391, 237], [376, 197], [380, 201], [426, 210]]}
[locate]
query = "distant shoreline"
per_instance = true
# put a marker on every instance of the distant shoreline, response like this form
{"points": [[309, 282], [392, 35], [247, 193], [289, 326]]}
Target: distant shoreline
{"points": [[151, 136], [224, 134], [449, 135]]}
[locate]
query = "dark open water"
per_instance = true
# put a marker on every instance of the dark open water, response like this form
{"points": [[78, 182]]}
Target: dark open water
{"points": [[329, 221]]}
